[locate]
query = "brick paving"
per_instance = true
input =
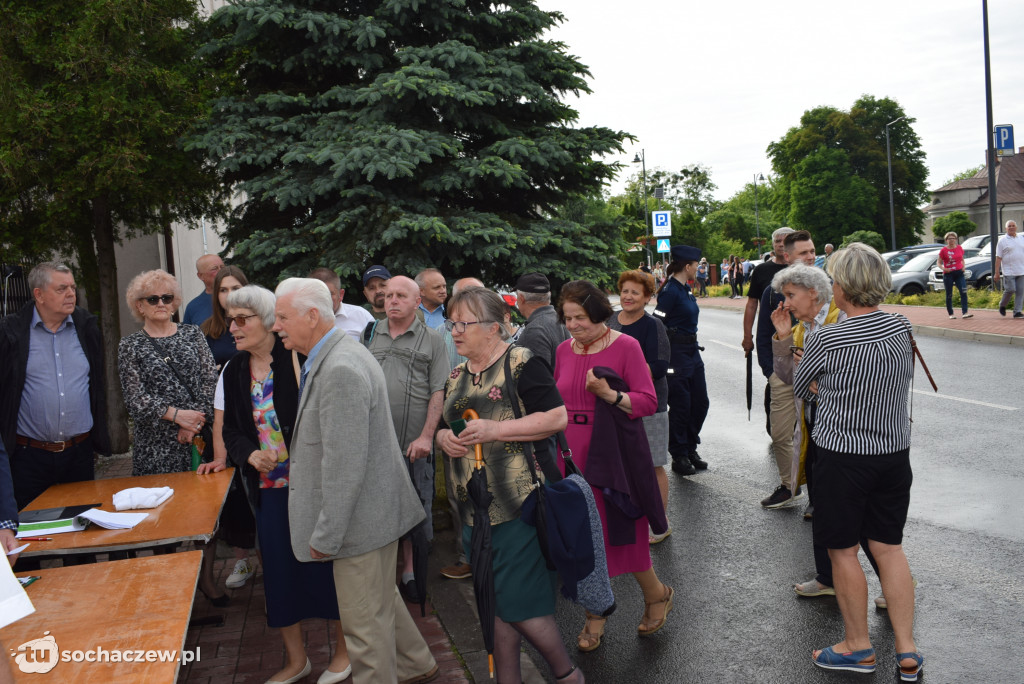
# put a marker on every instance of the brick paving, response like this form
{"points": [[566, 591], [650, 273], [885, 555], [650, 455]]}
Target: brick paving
{"points": [[243, 650]]}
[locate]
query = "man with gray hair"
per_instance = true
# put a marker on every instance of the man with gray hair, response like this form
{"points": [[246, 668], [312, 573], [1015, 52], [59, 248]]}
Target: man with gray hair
{"points": [[348, 318], [433, 294], [351, 499], [542, 333], [1010, 261], [53, 408], [760, 280]]}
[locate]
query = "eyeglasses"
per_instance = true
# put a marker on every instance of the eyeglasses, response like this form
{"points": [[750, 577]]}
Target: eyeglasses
{"points": [[460, 326], [153, 299], [240, 320]]}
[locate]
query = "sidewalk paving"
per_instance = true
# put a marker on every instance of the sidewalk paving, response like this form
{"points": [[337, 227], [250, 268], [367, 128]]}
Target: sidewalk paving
{"points": [[243, 650], [932, 321]]}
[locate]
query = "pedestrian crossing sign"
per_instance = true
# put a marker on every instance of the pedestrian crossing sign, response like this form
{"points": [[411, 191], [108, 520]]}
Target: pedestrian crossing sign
{"points": [[664, 247]]}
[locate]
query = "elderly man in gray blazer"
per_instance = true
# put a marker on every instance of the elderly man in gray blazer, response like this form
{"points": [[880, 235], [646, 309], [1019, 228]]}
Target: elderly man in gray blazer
{"points": [[351, 497]]}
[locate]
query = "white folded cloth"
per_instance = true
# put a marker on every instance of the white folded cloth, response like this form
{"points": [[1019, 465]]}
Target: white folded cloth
{"points": [[141, 497]]}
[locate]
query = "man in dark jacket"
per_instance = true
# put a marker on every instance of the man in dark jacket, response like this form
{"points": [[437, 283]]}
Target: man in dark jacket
{"points": [[542, 333], [53, 415]]}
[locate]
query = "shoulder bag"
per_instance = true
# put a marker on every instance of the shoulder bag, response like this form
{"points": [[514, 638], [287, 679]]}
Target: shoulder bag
{"points": [[202, 443]]}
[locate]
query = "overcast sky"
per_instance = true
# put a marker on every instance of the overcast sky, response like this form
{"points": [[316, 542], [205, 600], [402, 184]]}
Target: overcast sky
{"points": [[716, 82]]}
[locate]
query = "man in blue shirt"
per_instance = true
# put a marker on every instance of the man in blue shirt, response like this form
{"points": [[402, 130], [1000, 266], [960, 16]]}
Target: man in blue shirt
{"points": [[433, 293], [53, 414], [201, 307]]}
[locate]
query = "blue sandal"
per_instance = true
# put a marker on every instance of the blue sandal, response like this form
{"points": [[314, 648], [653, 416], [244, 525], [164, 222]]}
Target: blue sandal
{"points": [[910, 674], [852, 661]]}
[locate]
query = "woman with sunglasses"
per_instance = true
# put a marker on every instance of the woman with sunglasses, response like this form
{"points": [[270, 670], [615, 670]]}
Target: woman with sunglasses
{"points": [[168, 377]]}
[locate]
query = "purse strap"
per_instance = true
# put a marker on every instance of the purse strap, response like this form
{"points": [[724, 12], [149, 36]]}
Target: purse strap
{"points": [[563, 445], [167, 360]]}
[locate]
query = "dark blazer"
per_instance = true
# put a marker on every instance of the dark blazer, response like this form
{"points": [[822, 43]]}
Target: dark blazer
{"points": [[14, 344], [8, 505], [240, 435], [619, 464]]}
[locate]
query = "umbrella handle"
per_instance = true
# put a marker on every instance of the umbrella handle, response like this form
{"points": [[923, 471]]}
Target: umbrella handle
{"points": [[478, 450]]}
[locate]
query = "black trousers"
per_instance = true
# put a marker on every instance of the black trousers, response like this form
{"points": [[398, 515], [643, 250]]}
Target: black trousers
{"points": [[687, 400], [34, 470]]}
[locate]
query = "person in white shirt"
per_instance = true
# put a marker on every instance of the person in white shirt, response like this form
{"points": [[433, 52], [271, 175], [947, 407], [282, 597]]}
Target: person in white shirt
{"points": [[348, 318], [1010, 261]]}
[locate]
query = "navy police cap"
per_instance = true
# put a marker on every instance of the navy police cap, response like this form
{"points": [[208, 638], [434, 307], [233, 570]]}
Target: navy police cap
{"points": [[685, 253]]}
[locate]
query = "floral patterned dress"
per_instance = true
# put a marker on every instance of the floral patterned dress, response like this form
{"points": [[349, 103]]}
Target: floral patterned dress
{"points": [[150, 386]]}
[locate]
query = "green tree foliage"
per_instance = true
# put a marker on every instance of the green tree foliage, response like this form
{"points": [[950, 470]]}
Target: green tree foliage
{"points": [[957, 222], [95, 97], [408, 133], [847, 148], [868, 237], [964, 175]]}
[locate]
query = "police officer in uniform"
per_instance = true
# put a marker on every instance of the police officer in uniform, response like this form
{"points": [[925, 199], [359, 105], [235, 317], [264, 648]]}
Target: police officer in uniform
{"points": [[687, 388]]}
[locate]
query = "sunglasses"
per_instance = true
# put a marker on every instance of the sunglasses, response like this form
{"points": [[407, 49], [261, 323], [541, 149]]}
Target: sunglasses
{"points": [[240, 320], [153, 299]]}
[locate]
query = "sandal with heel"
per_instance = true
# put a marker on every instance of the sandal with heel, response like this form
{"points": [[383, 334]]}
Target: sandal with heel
{"points": [[910, 674], [648, 625], [588, 641]]}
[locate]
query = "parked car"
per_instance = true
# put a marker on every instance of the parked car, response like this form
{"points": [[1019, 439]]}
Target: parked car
{"points": [[935, 277], [912, 278], [979, 241], [977, 269], [900, 257]]}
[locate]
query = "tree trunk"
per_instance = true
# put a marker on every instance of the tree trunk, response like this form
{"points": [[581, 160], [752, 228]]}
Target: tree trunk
{"points": [[110, 323]]}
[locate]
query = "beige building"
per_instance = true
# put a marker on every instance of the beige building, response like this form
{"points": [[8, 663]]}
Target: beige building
{"points": [[971, 196]]}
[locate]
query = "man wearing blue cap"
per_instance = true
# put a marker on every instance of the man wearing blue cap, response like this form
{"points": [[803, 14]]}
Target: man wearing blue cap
{"points": [[687, 388], [375, 281]]}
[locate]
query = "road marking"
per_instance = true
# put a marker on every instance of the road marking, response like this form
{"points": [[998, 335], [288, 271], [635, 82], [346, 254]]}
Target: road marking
{"points": [[966, 401], [727, 345]]}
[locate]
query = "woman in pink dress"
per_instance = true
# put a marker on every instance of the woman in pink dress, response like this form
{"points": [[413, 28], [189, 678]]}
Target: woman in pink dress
{"points": [[584, 309]]}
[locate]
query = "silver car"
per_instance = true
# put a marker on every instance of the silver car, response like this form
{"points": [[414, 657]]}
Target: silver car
{"points": [[912, 278]]}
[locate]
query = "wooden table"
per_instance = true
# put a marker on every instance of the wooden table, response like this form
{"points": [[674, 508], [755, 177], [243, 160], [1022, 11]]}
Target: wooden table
{"points": [[189, 515], [140, 604]]}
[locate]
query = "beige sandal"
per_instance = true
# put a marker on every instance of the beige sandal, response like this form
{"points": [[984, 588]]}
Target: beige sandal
{"points": [[588, 641], [649, 625]]}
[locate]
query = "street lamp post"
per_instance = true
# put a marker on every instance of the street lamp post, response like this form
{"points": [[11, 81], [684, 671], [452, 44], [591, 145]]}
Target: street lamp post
{"points": [[757, 220], [642, 160], [888, 163]]}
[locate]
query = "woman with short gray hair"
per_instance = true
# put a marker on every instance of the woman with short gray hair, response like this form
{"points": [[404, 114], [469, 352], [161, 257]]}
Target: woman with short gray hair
{"points": [[859, 372]]}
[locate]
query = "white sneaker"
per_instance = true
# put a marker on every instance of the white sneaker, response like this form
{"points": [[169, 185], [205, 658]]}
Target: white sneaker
{"points": [[240, 575]]}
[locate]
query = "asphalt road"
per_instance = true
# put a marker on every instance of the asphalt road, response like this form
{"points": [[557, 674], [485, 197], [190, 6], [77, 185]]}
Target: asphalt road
{"points": [[733, 564]]}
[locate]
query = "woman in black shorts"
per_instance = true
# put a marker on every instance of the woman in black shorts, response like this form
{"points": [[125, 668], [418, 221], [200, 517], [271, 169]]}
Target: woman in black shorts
{"points": [[860, 370]]}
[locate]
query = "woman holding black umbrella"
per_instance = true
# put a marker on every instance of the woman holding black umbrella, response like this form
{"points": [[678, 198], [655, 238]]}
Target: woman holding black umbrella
{"points": [[524, 588]]}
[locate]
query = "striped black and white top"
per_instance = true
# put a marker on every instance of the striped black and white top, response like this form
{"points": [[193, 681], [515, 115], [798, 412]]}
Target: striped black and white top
{"points": [[863, 367]]}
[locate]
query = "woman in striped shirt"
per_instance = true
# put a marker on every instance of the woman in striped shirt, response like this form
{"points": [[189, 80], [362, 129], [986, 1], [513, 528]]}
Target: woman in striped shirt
{"points": [[860, 370]]}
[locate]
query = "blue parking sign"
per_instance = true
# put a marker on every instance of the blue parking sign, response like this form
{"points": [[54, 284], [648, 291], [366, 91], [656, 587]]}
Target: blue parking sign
{"points": [[664, 247], [1002, 140], [662, 223]]}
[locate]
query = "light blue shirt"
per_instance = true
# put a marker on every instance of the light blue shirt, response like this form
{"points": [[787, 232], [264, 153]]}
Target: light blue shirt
{"points": [[314, 351], [434, 319], [55, 402]]}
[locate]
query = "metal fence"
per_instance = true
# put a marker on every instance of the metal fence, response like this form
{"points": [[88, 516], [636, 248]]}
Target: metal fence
{"points": [[15, 290]]}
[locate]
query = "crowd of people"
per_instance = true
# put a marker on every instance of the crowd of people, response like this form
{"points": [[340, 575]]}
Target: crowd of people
{"points": [[332, 415]]}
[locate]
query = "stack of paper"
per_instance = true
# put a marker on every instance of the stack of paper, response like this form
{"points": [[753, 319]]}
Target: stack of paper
{"points": [[114, 521]]}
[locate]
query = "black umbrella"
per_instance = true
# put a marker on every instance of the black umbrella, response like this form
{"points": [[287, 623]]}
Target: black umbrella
{"points": [[750, 381], [481, 551]]}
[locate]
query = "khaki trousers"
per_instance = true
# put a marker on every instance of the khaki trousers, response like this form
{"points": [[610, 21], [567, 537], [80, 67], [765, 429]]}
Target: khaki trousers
{"points": [[783, 408], [383, 642]]}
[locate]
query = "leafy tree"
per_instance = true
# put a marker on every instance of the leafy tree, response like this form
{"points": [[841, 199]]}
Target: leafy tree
{"points": [[406, 133], [868, 237], [849, 147], [956, 221], [96, 94], [964, 175]]}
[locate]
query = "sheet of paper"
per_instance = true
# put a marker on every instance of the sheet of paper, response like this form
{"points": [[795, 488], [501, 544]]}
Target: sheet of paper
{"points": [[14, 602], [18, 550], [114, 521]]}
